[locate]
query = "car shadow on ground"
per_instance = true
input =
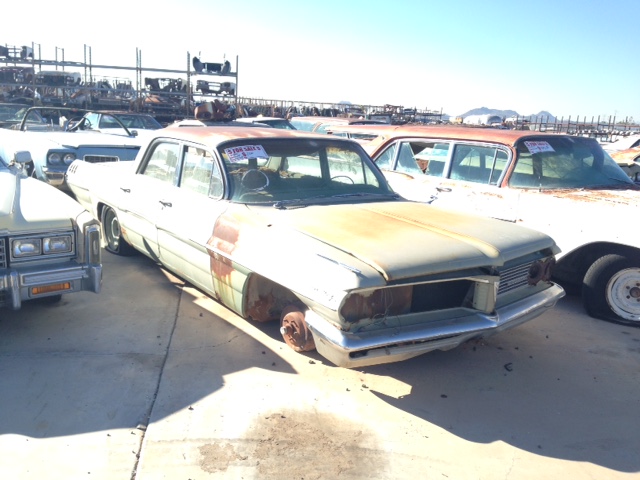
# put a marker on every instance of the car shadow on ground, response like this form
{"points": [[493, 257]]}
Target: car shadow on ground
{"points": [[571, 397], [97, 362]]}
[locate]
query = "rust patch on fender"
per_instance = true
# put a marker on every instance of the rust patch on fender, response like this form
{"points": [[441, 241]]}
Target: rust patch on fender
{"points": [[224, 239]]}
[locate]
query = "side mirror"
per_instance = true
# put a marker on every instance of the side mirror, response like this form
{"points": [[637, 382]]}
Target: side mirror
{"points": [[22, 156]]}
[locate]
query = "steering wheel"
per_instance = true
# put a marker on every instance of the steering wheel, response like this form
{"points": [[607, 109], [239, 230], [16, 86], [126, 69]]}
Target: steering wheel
{"points": [[255, 180], [344, 176], [74, 124]]}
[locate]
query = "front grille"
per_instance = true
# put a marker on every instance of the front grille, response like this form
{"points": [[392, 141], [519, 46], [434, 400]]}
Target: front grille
{"points": [[100, 158], [514, 277], [3, 254], [439, 296]]}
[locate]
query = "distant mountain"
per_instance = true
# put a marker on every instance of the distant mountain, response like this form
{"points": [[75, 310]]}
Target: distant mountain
{"points": [[505, 113]]}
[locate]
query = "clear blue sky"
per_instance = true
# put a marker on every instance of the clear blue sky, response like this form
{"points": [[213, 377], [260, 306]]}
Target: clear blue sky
{"points": [[569, 57]]}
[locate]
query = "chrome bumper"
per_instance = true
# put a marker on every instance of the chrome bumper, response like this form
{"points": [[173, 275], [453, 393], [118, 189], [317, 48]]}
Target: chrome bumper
{"points": [[55, 178], [16, 286], [346, 349]]}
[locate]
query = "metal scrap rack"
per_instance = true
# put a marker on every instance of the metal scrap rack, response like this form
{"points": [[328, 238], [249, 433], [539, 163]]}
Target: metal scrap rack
{"points": [[155, 90], [168, 94]]}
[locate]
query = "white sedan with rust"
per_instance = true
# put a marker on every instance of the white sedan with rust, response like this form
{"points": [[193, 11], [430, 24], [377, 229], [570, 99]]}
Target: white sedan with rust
{"points": [[303, 229]]}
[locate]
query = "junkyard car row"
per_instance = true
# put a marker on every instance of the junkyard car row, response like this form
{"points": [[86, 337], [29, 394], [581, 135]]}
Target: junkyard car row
{"points": [[367, 264], [66, 135]]}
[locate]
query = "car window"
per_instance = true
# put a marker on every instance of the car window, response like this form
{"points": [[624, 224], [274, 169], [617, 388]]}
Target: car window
{"points": [[304, 125], [564, 162], [200, 173], [274, 170], [323, 127], [432, 158], [163, 163], [406, 161], [385, 159], [149, 123], [91, 120], [416, 157], [129, 121], [479, 164], [107, 121]]}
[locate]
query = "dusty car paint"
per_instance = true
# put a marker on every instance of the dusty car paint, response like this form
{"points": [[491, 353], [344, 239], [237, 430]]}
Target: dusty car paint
{"points": [[580, 217], [316, 262]]}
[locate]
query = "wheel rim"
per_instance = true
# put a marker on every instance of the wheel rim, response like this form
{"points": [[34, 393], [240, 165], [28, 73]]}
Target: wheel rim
{"points": [[623, 294], [112, 230]]}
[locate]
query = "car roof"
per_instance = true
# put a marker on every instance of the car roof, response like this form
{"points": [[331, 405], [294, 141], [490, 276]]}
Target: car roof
{"points": [[257, 119], [337, 120], [387, 132], [222, 133]]}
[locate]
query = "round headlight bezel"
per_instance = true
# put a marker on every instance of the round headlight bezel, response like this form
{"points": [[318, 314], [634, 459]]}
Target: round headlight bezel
{"points": [[54, 158]]}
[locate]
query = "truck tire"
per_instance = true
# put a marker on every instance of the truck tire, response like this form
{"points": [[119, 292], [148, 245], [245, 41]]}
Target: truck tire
{"points": [[611, 289]]}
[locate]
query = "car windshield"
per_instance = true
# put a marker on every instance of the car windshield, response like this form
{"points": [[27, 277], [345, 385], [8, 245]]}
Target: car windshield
{"points": [[13, 114], [564, 162], [133, 121], [300, 170], [277, 123]]}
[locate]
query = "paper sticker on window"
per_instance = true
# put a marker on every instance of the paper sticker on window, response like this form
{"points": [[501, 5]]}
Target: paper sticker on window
{"points": [[244, 152], [539, 146]]}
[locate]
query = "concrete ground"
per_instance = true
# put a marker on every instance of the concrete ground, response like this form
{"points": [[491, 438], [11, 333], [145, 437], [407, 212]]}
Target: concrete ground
{"points": [[151, 380]]}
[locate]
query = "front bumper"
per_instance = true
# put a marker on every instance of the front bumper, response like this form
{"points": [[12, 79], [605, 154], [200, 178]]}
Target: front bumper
{"points": [[17, 286], [55, 178], [393, 344]]}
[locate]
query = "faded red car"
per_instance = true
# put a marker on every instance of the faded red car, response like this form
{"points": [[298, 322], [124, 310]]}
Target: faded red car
{"points": [[565, 186]]}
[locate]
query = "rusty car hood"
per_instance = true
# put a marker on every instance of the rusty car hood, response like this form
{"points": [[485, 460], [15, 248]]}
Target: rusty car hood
{"points": [[28, 204], [406, 239]]}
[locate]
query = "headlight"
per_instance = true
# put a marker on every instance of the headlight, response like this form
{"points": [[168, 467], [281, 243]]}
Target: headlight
{"points": [[61, 244], [54, 158], [68, 158], [26, 247]]}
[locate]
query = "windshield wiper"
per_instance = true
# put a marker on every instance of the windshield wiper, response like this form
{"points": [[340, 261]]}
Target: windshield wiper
{"points": [[302, 202], [282, 204], [365, 194]]}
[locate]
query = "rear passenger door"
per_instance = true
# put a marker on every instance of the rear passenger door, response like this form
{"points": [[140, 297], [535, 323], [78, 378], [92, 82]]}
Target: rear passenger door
{"points": [[472, 180]]}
